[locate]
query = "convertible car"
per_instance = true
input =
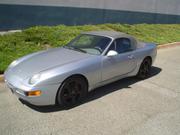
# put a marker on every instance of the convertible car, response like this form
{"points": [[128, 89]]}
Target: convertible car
{"points": [[66, 74]]}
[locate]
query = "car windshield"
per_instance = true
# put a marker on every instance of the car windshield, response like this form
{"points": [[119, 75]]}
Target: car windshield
{"points": [[91, 44]]}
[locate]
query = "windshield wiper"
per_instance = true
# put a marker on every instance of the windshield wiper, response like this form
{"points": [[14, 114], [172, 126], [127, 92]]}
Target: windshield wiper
{"points": [[75, 48], [78, 49]]}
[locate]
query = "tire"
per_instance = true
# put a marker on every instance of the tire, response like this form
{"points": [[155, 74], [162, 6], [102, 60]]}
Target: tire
{"points": [[72, 91], [145, 68]]}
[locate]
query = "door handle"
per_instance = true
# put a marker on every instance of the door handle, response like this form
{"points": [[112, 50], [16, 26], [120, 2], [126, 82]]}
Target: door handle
{"points": [[131, 56]]}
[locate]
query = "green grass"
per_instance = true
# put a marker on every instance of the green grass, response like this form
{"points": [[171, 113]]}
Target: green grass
{"points": [[37, 38]]}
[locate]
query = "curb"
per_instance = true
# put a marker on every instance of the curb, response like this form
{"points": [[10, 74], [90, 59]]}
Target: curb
{"points": [[1, 78], [174, 44], [9, 32], [159, 47]]}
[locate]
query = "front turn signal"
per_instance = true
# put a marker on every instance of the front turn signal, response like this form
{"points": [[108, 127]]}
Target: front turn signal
{"points": [[33, 93]]}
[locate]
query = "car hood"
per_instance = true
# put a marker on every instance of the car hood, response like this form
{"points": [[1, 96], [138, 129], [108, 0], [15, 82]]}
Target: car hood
{"points": [[45, 60]]}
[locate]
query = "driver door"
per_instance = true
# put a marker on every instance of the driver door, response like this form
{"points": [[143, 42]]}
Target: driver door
{"points": [[120, 64]]}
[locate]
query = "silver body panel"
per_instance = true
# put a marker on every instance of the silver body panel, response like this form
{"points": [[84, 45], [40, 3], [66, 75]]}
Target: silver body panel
{"points": [[55, 65]]}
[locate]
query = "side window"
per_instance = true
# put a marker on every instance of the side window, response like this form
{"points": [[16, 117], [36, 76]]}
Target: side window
{"points": [[123, 45]]}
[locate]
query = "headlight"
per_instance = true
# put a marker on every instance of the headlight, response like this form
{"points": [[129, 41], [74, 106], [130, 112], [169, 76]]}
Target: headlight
{"points": [[14, 63], [35, 78]]}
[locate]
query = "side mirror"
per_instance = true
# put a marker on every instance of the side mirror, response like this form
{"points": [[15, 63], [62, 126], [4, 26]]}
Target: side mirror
{"points": [[112, 53]]}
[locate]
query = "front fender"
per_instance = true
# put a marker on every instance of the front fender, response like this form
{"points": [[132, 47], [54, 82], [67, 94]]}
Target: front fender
{"points": [[89, 68]]}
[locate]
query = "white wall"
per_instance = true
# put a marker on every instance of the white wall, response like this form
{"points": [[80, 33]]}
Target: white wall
{"points": [[152, 6]]}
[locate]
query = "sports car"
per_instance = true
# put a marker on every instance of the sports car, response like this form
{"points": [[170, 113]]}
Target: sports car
{"points": [[65, 75]]}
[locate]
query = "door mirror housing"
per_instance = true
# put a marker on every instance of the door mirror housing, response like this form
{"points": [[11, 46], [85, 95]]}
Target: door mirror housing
{"points": [[112, 53]]}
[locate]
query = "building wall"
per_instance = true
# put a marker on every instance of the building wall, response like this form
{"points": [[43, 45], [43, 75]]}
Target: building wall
{"points": [[17, 14]]}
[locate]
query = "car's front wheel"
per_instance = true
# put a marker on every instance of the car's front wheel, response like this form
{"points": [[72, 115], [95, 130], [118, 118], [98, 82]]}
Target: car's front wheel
{"points": [[72, 91], [145, 68]]}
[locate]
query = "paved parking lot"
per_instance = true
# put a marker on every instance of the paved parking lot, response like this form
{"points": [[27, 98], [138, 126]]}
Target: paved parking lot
{"points": [[126, 107]]}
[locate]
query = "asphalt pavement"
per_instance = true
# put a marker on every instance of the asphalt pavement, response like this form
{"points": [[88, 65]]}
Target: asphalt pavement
{"points": [[126, 107]]}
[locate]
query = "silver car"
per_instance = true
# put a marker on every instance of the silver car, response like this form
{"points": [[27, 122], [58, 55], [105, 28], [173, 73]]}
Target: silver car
{"points": [[66, 74]]}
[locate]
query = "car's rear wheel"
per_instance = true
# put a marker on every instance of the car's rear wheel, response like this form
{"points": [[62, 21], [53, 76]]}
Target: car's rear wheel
{"points": [[72, 91], [144, 70]]}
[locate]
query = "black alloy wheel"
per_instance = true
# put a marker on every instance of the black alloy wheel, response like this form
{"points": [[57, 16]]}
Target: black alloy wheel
{"points": [[145, 68], [72, 91]]}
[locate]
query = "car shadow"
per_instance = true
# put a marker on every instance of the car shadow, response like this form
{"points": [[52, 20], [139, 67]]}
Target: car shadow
{"points": [[95, 94]]}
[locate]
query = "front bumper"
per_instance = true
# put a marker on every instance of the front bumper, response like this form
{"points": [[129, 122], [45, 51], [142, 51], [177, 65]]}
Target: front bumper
{"points": [[47, 97]]}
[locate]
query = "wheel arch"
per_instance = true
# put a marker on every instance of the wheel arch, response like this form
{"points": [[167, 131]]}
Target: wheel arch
{"points": [[79, 75]]}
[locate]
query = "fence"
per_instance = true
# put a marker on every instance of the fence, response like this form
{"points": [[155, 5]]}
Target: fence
{"points": [[20, 14]]}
